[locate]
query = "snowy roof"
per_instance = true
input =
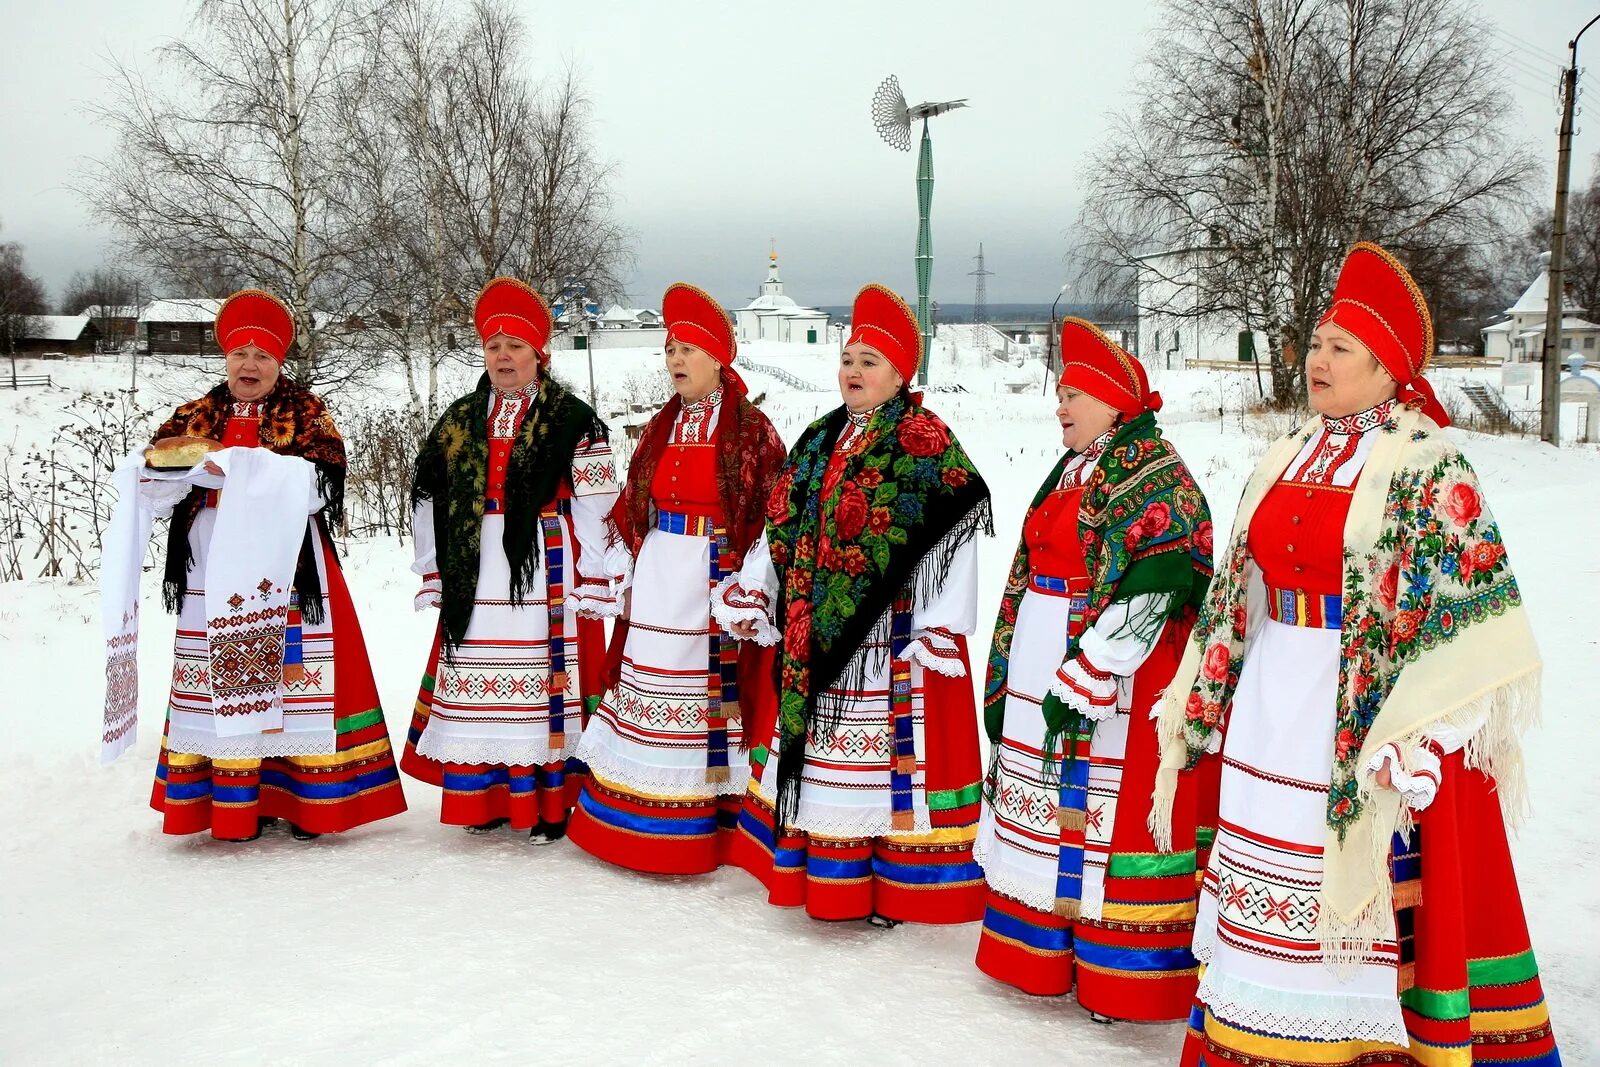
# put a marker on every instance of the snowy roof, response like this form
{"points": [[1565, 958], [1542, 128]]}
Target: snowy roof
{"points": [[181, 309], [794, 312], [1569, 324], [111, 311], [1535, 300], [618, 313], [56, 327], [772, 300]]}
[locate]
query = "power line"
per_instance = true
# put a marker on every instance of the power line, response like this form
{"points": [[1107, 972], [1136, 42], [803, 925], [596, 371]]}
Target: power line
{"points": [[1554, 57]]}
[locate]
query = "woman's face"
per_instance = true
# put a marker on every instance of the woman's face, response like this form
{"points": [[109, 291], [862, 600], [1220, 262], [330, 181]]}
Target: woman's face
{"points": [[251, 373], [695, 375], [1342, 377], [511, 362], [866, 378], [1082, 417]]}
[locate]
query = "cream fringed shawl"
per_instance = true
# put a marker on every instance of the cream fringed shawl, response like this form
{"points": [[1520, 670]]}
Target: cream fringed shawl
{"points": [[1434, 634]]}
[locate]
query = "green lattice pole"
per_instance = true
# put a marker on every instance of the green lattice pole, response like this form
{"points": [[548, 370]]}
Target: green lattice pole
{"points": [[924, 249]]}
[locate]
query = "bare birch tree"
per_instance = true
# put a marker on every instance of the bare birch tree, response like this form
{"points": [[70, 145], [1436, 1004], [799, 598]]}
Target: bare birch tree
{"points": [[223, 152], [1271, 134]]}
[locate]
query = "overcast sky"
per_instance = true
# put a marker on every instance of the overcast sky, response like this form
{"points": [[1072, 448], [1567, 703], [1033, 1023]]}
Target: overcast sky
{"points": [[732, 123]]}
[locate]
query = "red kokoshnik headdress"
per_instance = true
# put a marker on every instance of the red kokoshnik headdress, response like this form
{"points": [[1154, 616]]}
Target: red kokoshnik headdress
{"points": [[1378, 301], [694, 318], [254, 317], [512, 307], [1093, 363], [885, 323]]}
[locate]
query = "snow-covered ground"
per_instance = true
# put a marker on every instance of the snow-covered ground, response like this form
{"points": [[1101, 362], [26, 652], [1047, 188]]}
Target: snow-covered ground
{"points": [[411, 942]]}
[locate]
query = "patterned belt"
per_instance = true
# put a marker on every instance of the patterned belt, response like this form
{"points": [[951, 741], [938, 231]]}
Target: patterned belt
{"points": [[1294, 607], [213, 498], [1043, 583], [679, 522], [493, 505]]}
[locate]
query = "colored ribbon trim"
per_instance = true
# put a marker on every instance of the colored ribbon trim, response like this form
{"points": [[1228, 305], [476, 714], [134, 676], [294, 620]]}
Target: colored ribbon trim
{"points": [[1293, 607]]}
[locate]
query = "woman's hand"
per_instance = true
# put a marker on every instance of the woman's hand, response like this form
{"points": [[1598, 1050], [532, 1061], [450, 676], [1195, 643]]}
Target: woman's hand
{"points": [[745, 630], [1382, 776], [212, 468]]}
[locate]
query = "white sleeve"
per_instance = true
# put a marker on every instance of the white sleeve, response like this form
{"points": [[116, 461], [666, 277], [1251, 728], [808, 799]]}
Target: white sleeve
{"points": [[1097, 682], [950, 611], [594, 492], [425, 558], [748, 595]]}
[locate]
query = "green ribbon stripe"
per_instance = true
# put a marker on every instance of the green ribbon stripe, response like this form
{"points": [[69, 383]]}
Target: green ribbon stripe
{"points": [[1150, 864], [948, 799], [359, 721]]}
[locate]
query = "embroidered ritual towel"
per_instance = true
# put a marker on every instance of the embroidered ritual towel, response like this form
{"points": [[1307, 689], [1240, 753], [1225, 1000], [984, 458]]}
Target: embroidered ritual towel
{"points": [[142, 496], [261, 521]]}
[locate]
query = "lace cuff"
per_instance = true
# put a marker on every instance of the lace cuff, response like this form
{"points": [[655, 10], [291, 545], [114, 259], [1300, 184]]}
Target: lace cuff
{"points": [[597, 598], [1086, 689], [431, 595], [732, 603], [1420, 783], [937, 651]]}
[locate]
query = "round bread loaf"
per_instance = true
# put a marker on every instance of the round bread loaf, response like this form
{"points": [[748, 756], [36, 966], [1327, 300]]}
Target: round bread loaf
{"points": [[179, 453]]}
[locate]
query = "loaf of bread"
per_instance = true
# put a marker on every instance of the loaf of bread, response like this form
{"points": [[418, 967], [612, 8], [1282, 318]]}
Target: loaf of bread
{"points": [[179, 453]]}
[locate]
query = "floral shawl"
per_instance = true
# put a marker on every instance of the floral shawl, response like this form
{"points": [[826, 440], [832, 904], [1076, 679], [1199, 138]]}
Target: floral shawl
{"points": [[907, 500], [1144, 527], [294, 422], [1433, 633], [749, 455], [452, 472]]}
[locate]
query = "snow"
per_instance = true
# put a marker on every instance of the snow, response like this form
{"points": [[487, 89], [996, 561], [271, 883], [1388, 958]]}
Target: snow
{"points": [[55, 327], [410, 942], [181, 309]]}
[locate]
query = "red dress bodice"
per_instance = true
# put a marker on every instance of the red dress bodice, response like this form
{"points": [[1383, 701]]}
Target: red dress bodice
{"points": [[1051, 534], [686, 481], [1297, 536]]}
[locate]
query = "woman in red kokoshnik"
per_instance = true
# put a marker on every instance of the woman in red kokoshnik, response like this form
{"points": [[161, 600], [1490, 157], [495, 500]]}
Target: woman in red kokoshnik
{"points": [[666, 751], [1114, 560], [253, 735], [511, 495], [863, 801], [1364, 663]]}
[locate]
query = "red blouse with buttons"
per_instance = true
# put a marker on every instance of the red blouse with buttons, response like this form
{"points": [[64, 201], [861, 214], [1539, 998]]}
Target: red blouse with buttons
{"points": [[686, 478], [244, 425], [1051, 534], [506, 413]]}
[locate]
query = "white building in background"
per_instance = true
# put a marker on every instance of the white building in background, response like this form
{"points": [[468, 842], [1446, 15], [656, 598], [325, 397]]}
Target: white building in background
{"points": [[772, 316], [1172, 330], [1520, 338]]}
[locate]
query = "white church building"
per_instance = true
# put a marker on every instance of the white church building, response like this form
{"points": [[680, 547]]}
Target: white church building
{"points": [[772, 316], [1520, 338]]}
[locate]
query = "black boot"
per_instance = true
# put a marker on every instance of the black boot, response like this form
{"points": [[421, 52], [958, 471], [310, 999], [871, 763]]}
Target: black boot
{"points": [[487, 827], [301, 835], [547, 833], [883, 922]]}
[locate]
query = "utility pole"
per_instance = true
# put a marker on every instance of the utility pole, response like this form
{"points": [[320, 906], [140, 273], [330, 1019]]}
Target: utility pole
{"points": [[1550, 393]]}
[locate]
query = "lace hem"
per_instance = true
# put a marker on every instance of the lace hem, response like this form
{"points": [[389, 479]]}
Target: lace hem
{"points": [[511, 752], [618, 770], [726, 613], [1320, 1016], [826, 820], [252, 746], [939, 661], [1028, 893]]}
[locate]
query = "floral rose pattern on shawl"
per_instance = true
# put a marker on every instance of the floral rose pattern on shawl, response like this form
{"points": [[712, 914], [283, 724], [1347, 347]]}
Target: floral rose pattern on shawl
{"points": [[908, 497], [1144, 527], [1437, 568]]}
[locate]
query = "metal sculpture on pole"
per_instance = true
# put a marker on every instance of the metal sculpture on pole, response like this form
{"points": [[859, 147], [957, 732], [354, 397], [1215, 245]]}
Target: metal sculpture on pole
{"points": [[892, 117]]}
